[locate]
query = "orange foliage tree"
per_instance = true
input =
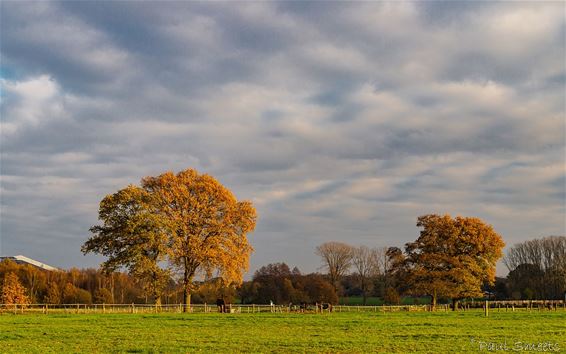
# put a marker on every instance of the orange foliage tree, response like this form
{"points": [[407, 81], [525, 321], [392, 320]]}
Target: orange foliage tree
{"points": [[188, 219], [13, 292], [452, 257], [207, 226]]}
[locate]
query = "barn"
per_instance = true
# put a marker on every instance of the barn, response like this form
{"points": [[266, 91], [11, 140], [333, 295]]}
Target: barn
{"points": [[25, 260]]}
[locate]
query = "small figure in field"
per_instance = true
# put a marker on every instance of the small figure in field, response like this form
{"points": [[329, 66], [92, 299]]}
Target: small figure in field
{"points": [[221, 305], [324, 306]]}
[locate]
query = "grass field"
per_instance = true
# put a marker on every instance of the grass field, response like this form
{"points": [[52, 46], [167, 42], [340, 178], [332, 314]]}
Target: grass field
{"points": [[400, 332]]}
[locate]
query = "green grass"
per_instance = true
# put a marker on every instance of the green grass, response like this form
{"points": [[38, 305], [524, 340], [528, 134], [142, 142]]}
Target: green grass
{"points": [[401, 332]]}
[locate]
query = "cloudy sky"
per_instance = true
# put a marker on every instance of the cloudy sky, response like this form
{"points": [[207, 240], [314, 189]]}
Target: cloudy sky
{"points": [[340, 121]]}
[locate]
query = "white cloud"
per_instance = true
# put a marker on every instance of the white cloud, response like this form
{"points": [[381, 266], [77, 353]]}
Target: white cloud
{"points": [[30, 103]]}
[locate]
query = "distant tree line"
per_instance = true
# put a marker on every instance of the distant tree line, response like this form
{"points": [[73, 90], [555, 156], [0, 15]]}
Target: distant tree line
{"points": [[276, 283], [537, 269], [85, 286], [451, 260], [26, 284], [279, 284]]}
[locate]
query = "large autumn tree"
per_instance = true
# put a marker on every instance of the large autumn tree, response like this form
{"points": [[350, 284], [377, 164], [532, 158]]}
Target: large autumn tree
{"points": [[189, 219], [208, 226], [453, 257]]}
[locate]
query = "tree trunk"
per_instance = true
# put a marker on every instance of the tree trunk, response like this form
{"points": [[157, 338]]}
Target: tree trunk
{"points": [[433, 300], [112, 287], [186, 299], [187, 279], [333, 282], [454, 304], [156, 290], [364, 291]]}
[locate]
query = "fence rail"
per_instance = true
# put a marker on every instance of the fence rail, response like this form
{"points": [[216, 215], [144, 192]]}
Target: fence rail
{"points": [[531, 305], [518, 304], [196, 308]]}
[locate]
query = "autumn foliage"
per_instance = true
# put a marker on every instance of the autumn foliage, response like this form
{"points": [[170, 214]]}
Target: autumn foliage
{"points": [[13, 292], [188, 220], [452, 258]]}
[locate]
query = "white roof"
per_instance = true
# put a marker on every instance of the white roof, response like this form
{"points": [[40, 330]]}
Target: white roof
{"points": [[24, 259]]}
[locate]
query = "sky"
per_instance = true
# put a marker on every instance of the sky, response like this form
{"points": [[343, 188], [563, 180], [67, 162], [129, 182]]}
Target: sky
{"points": [[341, 121]]}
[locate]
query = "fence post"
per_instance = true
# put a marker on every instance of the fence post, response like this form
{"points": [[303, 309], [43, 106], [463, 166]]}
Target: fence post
{"points": [[486, 308]]}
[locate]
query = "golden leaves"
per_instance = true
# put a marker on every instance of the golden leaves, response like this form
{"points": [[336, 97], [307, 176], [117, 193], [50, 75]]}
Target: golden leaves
{"points": [[209, 224], [188, 219], [453, 257], [13, 292]]}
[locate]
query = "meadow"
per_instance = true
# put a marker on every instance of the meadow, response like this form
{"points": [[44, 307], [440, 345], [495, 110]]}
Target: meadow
{"points": [[363, 332]]}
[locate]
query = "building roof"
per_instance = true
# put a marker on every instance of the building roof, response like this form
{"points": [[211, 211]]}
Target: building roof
{"points": [[25, 260]]}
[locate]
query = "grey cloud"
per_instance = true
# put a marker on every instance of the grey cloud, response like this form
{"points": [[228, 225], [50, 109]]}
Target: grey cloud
{"points": [[342, 121]]}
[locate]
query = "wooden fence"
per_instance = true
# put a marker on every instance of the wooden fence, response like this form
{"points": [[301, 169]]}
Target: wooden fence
{"points": [[513, 305], [530, 305], [195, 308]]}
